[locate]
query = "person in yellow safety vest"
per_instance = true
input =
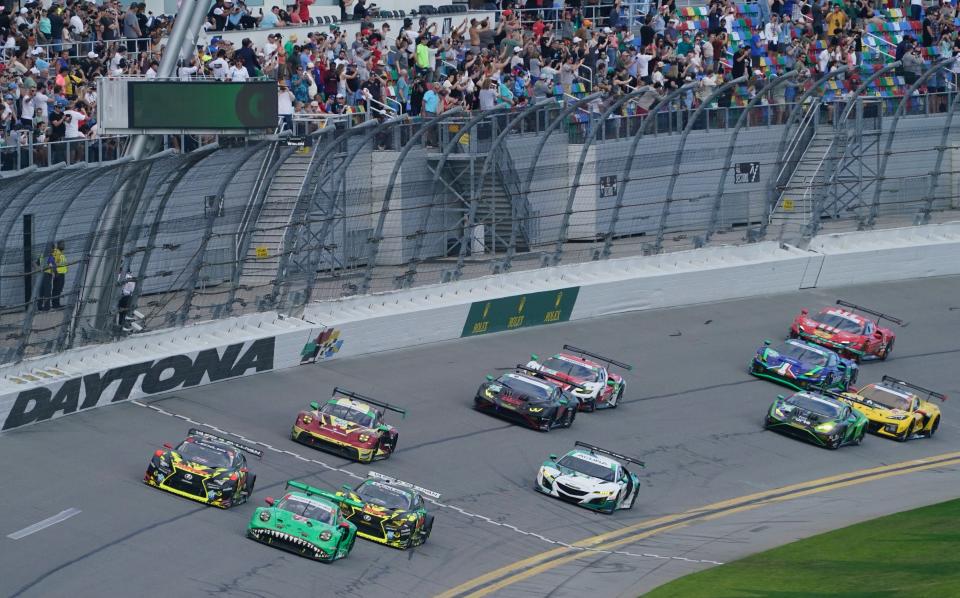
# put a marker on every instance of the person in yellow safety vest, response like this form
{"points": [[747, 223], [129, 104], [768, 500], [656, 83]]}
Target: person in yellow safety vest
{"points": [[47, 266], [60, 276]]}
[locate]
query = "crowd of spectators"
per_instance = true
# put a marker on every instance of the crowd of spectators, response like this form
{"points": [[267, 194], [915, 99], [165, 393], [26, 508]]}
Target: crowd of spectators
{"points": [[52, 54]]}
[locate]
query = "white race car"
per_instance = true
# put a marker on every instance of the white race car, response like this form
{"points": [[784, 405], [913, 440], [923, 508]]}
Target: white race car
{"points": [[602, 389], [591, 477]]}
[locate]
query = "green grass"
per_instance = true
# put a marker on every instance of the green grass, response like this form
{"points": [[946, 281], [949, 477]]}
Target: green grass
{"points": [[912, 554]]}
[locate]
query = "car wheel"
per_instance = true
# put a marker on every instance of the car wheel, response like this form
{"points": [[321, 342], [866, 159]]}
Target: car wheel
{"points": [[886, 350], [906, 434], [251, 482], [568, 418], [793, 334], [590, 406], [858, 439], [616, 398], [933, 427], [427, 528], [835, 443], [546, 424]]}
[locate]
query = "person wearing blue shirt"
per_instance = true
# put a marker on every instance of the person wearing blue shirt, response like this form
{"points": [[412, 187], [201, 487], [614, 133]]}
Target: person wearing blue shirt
{"points": [[431, 106]]}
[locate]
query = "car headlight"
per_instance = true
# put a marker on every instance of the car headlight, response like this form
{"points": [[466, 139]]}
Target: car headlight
{"points": [[363, 437], [264, 515], [307, 419], [549, 474], [825, 427], [605, 493], [536, 409], [778, 412], [488, 393], [325, 535]]}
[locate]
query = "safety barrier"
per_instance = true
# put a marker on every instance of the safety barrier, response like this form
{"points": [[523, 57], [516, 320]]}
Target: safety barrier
{"points": [[50, 387]]}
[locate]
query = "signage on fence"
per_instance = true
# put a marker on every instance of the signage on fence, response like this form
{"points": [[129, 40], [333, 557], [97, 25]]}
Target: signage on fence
{"points": [[141, 379], [608, 186], [746, 172], [520, 311], [295, 141], [787, 205], [262, 252]]}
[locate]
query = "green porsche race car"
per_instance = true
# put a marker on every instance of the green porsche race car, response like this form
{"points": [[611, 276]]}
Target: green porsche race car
{"points": [[816, 418], [306, 521]]}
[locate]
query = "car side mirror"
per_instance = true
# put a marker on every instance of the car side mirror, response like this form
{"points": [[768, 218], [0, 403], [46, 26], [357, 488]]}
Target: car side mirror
{"points": [[314, 405], [344, 526], [804, 311], [269, 500], [878, 334], [534, 357], [167, 445], [611, 383], [553, 457], [781, 397], [489, 378], [347, 488], [766, 343]]}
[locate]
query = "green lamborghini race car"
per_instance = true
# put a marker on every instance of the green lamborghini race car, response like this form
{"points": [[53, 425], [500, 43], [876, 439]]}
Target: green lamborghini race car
{"points": [[815, 418], [306, 521]]}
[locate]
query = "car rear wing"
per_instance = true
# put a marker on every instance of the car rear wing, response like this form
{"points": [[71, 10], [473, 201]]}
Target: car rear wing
{"points": [[331, 496], [602, 451], [387, 479], [359, 397], [243, 447], [907, 385], [880, 316], [619, 364], [549, 376]]}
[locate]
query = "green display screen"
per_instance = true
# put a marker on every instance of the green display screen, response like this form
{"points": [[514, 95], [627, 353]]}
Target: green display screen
{"points": [[202, 105]]}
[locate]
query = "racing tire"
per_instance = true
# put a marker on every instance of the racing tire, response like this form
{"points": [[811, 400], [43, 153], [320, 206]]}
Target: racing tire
{"points": [[835, 443], [906, 435], [251, 482], [546, 424], [858, 440], [611, 510], [933, 427], [886, 350], [590, 406], [616, 398], [568, 418], [425, 532], [793, 334]]}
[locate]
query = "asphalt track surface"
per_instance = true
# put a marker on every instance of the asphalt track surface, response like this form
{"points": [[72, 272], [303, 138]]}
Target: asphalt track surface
{"points": [[691, 412]]}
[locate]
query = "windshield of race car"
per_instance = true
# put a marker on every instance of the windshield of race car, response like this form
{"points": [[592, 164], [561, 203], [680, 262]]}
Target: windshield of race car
{"points": [[205, 454], [594, 470], [572, 369], [826, 409], [802, 354], [349, 413], [840, 322], [886, 397], [525, 387], [383, 495], [304, 507]]}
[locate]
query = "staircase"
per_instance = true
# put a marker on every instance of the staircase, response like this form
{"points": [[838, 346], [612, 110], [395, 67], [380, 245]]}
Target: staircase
{"points": [[790, 218], [263, 255]]}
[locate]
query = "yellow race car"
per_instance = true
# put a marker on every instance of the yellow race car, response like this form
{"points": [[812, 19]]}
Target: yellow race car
{"points": [[896, 409]]}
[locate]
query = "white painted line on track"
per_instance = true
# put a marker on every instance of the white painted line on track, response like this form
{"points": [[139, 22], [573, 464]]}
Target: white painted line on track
{"points": [[42, 525], [437, 503]]}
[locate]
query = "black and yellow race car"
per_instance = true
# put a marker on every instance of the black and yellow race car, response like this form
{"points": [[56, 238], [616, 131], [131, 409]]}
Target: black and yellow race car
{"points": [[391, 511], [204, 467], [897, 409]]}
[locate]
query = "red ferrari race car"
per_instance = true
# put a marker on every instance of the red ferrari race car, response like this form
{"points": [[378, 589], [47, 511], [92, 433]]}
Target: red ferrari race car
{"points": [[849, 334], [350, 425], [600, 388]]}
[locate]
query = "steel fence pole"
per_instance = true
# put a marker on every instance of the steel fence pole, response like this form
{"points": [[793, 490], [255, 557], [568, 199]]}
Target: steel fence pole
{"points": [[411, 273], [934, 178], [885, 156], [678, 156], [728, 159], [472, 214], [373, 243], [588, 143]]}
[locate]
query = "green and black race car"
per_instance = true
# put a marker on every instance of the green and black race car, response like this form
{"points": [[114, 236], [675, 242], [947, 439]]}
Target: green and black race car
{"points": [[818, 419], [392, 512], [306, 521]]}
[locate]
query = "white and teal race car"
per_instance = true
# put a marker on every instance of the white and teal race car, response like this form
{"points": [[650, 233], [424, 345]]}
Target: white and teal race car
{"points": [[590, 477]]}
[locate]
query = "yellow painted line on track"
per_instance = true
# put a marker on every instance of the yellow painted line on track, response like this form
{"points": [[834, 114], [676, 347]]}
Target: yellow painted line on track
{"points": [[545, 561]]}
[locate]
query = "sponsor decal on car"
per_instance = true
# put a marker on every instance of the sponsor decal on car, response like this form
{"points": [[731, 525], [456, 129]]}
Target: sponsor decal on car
{"points": [[148, 377]]}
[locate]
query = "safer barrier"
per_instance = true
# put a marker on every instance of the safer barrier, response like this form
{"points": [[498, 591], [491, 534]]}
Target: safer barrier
{"points": [[50, 387]]}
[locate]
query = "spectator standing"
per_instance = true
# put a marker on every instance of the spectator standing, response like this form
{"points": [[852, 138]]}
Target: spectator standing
{"points": [[285, 101], [60, 275], [131, 27], [125, 305], [48, 266], [248, 57]]}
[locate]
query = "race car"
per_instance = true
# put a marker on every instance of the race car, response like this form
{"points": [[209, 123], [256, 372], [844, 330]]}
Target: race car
{"points": [[531, 397], [799, 364], [896, 409], [603, 388], [392, 512], [848, 333], [816, 418], [350, 425], [306, 521], [590, 477], [205, 468]]}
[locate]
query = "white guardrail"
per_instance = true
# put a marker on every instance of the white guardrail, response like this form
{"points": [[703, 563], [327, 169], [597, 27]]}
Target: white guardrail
{"points": [[53, 386]]}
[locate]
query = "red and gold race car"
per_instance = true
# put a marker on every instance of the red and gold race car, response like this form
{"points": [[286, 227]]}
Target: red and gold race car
{"points": [[350, 425], [848, 333], [599, 387]]}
